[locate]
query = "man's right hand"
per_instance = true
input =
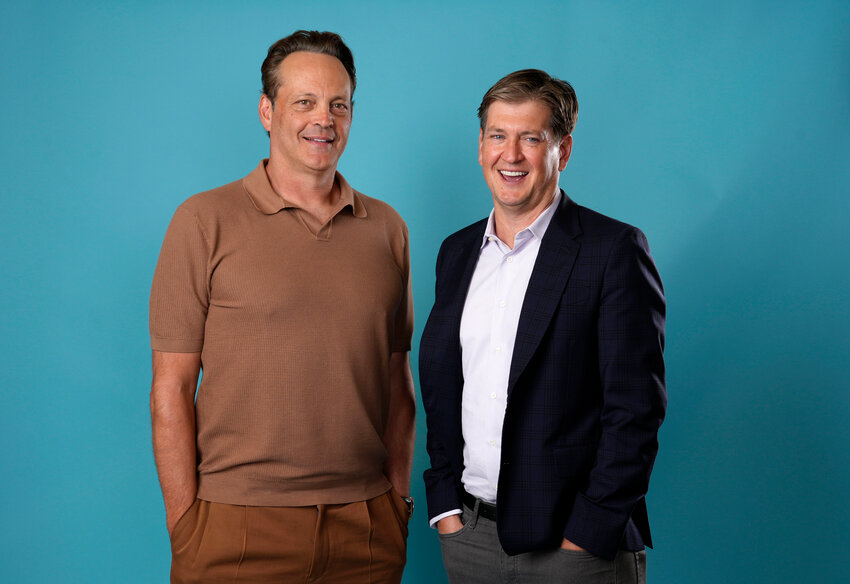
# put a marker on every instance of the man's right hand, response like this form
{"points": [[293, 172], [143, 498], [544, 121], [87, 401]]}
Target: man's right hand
{"points": [[175, 378], [173, 515], [449, 524]]}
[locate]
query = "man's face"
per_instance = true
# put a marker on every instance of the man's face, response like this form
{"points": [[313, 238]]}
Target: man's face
{"points": [[519, 155], [311, 117]]}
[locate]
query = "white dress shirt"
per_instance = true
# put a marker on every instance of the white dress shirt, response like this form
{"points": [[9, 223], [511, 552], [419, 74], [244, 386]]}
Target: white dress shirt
{"points": [[487, 333]]}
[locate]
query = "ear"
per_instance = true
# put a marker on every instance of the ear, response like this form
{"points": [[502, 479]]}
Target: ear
{"points": [[265, 109], [481, 147], [565, 148]]}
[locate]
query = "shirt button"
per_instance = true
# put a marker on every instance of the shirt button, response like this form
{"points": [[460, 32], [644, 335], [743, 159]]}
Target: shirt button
{"points": [[493, 395], [492, 442], [498, 349], [510, 259], [490, 238], [502, 303]]}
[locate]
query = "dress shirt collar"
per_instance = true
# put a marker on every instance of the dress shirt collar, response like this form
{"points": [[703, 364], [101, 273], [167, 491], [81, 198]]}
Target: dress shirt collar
{"points": [[537, 228]]}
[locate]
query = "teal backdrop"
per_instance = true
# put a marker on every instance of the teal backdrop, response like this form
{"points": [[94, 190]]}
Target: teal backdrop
{"points": [[720, 128]]}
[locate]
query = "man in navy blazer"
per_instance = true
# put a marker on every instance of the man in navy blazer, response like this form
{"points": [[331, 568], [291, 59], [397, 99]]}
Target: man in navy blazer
{"points": [[541, 366]]}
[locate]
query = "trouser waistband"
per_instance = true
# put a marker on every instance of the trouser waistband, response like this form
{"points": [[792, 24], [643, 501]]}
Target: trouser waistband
{"points": [[485, 509]]}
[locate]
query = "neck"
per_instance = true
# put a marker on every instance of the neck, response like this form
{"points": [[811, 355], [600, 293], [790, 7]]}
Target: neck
{"points": [[508, 221], [314, 192]]}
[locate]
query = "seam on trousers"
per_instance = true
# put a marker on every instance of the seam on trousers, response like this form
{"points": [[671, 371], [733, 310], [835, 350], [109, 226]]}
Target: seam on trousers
{"points": [[371, 533], [617, 568], [320, 520], [637, 568], [244, 540]]}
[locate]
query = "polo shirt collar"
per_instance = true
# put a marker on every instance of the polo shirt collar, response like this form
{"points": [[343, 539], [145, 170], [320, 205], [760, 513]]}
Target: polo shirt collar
{"points": [[267, 201]]}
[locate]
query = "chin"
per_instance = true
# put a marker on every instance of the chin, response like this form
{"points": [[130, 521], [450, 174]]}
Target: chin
{"points": [[323, 164], [512, 199]]}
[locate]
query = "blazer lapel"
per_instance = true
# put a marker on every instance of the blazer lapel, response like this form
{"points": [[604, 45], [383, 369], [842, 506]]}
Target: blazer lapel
{"points": [[552, 269], [460, 265]]}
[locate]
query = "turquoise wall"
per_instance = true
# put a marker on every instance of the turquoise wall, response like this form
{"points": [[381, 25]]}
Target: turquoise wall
{"points": [[722, 129]]}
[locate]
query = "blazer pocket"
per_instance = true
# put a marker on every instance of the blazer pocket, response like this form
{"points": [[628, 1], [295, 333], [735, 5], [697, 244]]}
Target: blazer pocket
{"points": [[574, 461]]}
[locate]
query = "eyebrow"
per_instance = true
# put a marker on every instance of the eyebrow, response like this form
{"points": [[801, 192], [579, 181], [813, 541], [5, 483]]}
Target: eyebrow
{"points": [[314, 96], [523, 133]]}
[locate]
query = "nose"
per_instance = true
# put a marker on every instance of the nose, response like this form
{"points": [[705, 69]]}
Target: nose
{"points": [[512, 151], [323, 117]]}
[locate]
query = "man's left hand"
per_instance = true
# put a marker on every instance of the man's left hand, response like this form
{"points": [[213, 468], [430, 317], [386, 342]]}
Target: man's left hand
{"points": [[568, 545]]}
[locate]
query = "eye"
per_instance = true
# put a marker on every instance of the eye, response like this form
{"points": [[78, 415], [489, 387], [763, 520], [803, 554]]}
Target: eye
{"points": [[496, 136], [340, 107], [532, 139]]}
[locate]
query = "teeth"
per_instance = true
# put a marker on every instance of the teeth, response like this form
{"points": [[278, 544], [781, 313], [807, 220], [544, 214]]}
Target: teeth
{"points": [[513, 173]]}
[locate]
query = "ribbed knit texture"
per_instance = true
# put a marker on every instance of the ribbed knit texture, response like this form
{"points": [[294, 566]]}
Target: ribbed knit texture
{"points": [[295, 323]]}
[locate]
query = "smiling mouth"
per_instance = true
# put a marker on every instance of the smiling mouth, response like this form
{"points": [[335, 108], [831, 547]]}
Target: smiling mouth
{"points": [[320, 140], [512, 176]]}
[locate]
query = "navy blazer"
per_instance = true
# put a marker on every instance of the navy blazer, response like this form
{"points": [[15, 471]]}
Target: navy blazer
{"points": [[586, 390]]}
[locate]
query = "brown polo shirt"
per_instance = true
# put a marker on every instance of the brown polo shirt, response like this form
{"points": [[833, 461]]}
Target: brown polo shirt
{"points": [[295, 322]]}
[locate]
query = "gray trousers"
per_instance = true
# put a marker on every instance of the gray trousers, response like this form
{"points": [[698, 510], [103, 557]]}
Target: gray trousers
{"points": [[474, 555]]}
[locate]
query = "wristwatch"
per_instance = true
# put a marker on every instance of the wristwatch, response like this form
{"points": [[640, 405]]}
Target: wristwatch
{"points": [[409, 501]]}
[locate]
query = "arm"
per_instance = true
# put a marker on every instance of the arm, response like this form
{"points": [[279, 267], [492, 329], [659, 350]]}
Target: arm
{"points": [[400, 431], [175, 379], [444, 506], [440, 382], [630, 330]]}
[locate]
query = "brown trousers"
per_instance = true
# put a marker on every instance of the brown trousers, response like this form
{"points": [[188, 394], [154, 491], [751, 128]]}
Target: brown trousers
{"points": [[365, 541]]}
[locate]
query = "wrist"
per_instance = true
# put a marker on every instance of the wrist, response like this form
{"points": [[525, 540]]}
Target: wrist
{"points": [[449, 524], [410, 504], [568, 545]]}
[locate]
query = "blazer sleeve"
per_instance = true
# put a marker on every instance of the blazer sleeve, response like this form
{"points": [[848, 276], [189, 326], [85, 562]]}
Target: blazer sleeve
{"points": [[440, 482], [438, 381], [631, 370]]}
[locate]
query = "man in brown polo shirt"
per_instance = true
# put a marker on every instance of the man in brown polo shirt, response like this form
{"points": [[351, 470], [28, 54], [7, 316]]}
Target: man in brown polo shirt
{"points": [[291, 291]]}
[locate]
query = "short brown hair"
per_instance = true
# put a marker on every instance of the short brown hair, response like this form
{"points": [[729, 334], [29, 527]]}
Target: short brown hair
{"points": [[311, 41], [534, 84]]}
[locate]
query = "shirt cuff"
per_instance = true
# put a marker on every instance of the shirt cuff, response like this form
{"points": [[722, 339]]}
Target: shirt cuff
{"points": [[433, 522]]}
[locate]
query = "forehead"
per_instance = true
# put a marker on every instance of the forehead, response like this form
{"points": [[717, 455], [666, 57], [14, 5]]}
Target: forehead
{"points": [[303, 71], [532, 115]]}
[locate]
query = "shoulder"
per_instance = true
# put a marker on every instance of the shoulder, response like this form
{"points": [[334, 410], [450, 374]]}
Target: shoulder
{"points": [[463, 236], [602, 229], [595, 223], [459, 243], [205, 213], [218, 201], [378, 207], [381, 211]]}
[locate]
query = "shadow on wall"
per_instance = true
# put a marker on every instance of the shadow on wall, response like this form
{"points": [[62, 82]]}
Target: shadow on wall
{"points": [[755, 445]]}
